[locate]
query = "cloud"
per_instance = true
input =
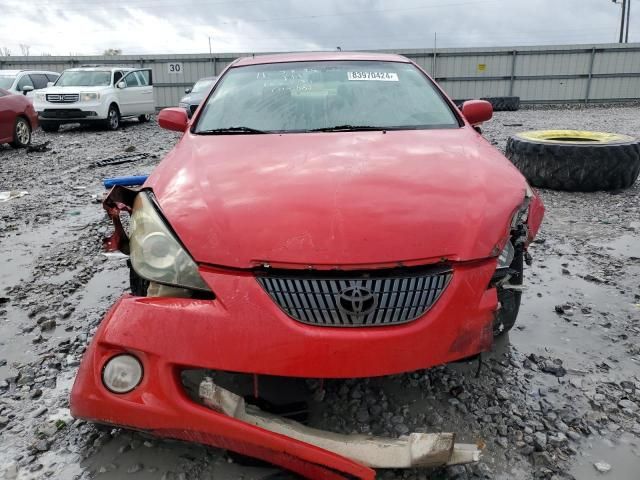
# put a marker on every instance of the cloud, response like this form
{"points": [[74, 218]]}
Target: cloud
{"points": [[173, 26]]}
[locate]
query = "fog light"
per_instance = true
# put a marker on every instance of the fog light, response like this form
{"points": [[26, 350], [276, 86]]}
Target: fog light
{"points": [[122, 373]]}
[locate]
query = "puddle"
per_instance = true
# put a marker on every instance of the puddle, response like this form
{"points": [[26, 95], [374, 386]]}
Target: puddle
{"points": [[15, 346], [103, 288], [626, 246], [152, 458], [623, 456], [19, 252], [539, 329]]}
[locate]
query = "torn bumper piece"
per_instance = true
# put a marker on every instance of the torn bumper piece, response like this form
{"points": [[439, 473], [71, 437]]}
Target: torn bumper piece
{"points": [[414, 450]]}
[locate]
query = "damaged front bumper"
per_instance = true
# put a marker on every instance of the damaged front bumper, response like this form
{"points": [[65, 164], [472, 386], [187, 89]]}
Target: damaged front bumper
{"points": [[243, 330]]}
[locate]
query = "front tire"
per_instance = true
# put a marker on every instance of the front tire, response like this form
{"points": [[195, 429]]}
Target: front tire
{"points": [[144, 118], [21, 133], [113, 118], [509, 299]]}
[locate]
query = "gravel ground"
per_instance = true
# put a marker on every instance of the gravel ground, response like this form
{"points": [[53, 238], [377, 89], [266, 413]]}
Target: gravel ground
{"points": [[557, 398]]}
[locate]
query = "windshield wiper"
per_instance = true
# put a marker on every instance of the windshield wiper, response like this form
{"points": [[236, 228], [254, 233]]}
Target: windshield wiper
{"points": [[345, 128], [222, 131]]}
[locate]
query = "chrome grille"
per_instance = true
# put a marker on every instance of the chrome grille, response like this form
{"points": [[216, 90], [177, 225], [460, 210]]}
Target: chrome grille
{"points": [[363, 300], [63, 98]]}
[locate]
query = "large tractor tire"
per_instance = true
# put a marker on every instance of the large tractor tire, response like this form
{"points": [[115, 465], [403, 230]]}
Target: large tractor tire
{"points": [[504, 104], [576, 160]]}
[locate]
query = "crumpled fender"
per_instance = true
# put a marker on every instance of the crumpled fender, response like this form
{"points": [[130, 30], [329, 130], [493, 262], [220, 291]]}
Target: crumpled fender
{"points": [[119, 199]]}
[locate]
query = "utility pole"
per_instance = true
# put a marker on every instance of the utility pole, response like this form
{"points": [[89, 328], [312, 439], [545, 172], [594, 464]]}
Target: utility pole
{"points": [[626, 35], [210, 53], [624, 19]]}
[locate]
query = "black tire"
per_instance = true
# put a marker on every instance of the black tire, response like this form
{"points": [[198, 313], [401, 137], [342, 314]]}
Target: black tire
{"points": [[144, 118], [576, 160], [113, 117], [504, 104], [49, 127], [509, 299], [137, 284], [21, 133]]}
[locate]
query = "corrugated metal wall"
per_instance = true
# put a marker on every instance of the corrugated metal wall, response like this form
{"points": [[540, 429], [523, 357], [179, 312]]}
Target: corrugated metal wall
{"points": [[550, 74]]}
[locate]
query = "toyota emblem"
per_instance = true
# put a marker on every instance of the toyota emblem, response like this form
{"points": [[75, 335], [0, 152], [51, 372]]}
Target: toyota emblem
{"points": [[356, 303]]}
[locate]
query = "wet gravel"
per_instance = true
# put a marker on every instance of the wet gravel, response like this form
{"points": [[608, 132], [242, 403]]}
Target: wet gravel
{"points": [[558, 398]]}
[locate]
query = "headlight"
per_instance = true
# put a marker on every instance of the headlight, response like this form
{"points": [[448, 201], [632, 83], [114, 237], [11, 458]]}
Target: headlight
{"points": [[39, 97], [155, 252], [184, 105], [89, 96], [506, 255]]}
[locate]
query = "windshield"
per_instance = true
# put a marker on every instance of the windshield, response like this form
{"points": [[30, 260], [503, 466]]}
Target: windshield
{"points": [[304, 96], [84, 79], [201, 86], [6, 81]]}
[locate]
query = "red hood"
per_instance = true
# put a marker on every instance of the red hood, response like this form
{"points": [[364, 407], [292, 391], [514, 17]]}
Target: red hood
{"points": [[338, 199]]}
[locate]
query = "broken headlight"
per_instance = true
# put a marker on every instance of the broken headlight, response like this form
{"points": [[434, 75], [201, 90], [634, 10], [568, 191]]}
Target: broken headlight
{"points": [[155, 252], [506, 255]]}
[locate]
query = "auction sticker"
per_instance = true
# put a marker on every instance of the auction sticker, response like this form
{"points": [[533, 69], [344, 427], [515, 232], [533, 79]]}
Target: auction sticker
{"points": [[376, 76]]}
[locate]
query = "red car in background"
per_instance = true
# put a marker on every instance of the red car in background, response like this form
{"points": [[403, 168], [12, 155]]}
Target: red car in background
{"points": [[324, 215], [18, 119]]}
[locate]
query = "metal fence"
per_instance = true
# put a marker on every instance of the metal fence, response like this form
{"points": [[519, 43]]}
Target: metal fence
{"points": [[544, 74]]}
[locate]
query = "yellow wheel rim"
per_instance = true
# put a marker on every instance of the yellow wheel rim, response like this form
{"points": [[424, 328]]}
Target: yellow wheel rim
{"points": [[578, 137]]}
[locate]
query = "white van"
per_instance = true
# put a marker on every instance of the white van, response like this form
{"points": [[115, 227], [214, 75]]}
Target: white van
{"points": [[96, 94]]}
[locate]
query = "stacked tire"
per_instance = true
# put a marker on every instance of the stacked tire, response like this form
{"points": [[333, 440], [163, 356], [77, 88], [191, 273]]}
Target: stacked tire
{"points": [[504, 104], [576, 160]]}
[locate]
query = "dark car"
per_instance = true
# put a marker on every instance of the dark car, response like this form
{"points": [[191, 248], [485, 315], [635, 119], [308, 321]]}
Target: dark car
{"points": [[17, 119], [194, 95]]}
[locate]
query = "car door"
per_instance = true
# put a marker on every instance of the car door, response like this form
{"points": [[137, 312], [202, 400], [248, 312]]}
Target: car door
{"points": [[147, 98], [39, 80], [137, 96], [6, 118], [24, 81]]}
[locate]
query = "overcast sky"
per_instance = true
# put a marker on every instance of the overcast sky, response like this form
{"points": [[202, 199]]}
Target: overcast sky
{"points": [[89, 27]]}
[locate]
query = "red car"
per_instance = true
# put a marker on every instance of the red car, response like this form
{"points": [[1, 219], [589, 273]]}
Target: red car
{"points": [[17, 119], [325, 215]]}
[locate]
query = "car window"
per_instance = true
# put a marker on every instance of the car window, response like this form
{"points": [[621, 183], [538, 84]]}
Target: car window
{"points": [[39, 80], [143, 79], [202, 85], [117, 76], [25, 81], [84, 78], [52, 77], [131, 80], [303, 96], [6, 81]]}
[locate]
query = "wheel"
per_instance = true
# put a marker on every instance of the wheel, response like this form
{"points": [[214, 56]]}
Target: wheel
{"points": [[576, 160], [509, 299], [144, 118], [21, 133], [113, 117], [504, 104]]}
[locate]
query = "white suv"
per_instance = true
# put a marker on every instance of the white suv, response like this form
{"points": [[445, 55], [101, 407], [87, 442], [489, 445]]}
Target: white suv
{"points": [[24, 82], [96, 94]]}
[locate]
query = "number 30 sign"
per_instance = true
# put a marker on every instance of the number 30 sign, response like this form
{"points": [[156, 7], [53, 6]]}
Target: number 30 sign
{"points": [[175, 68]]}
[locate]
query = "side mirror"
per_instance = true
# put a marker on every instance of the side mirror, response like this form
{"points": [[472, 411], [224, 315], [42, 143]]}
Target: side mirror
{"points": [[173, 119], [187, 90], [122, 85], [50, 84], [477, 111], [26, 89]]}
